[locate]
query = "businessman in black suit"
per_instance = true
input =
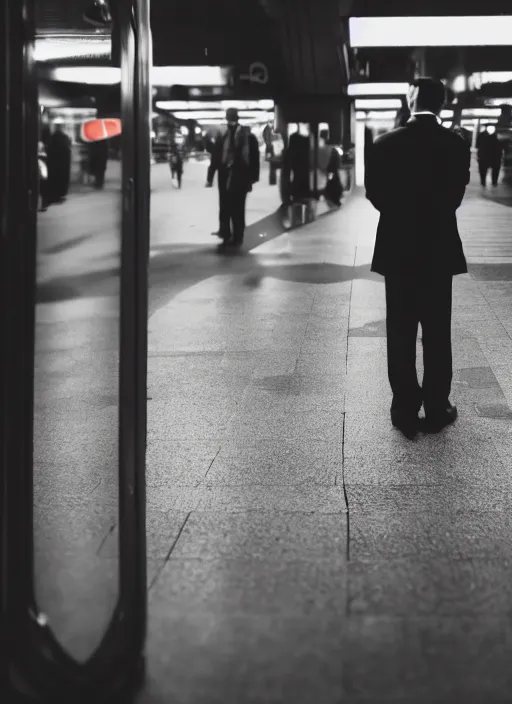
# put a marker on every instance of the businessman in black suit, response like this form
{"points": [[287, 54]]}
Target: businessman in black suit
{"points": [[236, 158], [416, 176]]}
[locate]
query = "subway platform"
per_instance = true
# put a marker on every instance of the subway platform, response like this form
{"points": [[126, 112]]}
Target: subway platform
{"points": [[300, 549]]}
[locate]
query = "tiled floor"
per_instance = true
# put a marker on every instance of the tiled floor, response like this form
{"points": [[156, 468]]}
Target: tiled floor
{"points": [[300, 549]]}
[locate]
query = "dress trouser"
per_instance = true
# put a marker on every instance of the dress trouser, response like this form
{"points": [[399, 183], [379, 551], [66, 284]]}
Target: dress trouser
{"points": [[409, 301], [495, 172], [231, 208]]}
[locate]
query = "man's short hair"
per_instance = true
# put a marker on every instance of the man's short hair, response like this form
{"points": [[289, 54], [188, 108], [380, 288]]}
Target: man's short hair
{"points": [[232, 114], [431, 93]]}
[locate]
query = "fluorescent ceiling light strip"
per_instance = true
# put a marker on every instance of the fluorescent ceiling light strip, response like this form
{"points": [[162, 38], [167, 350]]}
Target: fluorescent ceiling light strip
{"points": [[212, 114], [384, 115], [495, 76], [217, 105], [360, 89], [481, 112], [69, 48], [378, 103], [248, 104], [498, 101], [430, 31], [175, 75], [189, 75], [217, 122], [95, 75]]}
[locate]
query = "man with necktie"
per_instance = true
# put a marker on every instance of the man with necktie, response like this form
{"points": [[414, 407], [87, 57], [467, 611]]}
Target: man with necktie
{"points": [[236, 158]]}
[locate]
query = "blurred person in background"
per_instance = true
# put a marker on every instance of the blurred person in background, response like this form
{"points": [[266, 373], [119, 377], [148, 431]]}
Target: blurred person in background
{"points": [[209, 145], [43, 176], [490, 154], [329, 161], [267, 140], [176, 164], [59, 164], [98, 158]]}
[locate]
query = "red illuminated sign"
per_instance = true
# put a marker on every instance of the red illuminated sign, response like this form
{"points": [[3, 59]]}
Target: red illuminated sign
{"points": [[96, 130]]}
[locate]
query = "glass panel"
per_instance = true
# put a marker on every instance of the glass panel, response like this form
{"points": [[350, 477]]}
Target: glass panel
{"points": [[77, 330]]}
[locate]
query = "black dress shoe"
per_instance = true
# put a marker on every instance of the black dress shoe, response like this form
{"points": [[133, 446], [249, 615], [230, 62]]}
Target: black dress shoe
{"points": [[408, 425], [435, 422]]}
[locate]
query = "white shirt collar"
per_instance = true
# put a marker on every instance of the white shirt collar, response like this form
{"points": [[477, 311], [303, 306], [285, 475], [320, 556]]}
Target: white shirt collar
{"points": [[425, 112]]}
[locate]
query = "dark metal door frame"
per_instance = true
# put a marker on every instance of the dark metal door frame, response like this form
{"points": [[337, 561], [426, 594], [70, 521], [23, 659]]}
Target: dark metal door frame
{"points": [[39, 670]]}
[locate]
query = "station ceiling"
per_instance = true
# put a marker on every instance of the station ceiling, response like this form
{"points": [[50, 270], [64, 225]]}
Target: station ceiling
{"points": [[300, 37]]}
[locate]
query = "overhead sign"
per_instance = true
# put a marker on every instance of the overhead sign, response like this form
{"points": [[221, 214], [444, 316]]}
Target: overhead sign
{"points": [[258, 73], [252, 80]]}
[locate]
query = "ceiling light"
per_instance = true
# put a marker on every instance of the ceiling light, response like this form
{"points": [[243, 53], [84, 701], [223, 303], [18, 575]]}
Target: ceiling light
{"points": [[384, 115], [92, 75], [216, 114], [71, 47], [481, 112], [222, 121], [189, 76], [494, 76], [498, 101], [248, 104], [215, 105], [357, 89], [378, 103], [430, 31]]}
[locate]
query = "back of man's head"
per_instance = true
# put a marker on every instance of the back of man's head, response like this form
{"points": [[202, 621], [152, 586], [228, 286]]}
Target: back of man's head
{"points": [[427, 94]]}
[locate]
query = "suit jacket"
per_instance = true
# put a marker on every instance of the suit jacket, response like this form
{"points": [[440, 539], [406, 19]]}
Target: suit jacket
{"points": [[244, 174], [416, 176]]}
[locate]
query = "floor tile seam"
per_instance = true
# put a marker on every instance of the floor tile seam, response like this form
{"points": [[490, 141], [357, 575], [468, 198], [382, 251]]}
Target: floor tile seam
{"points": [[448, 484], [218, 484], [212, 463], [487, 354], [463, 515], [169, 553], [244, 510], [305, 331], [395, 486], [229, 445], [488, 304], [431, 619], [379, 560], [343, 478], [281, 513], [308, 557]]}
